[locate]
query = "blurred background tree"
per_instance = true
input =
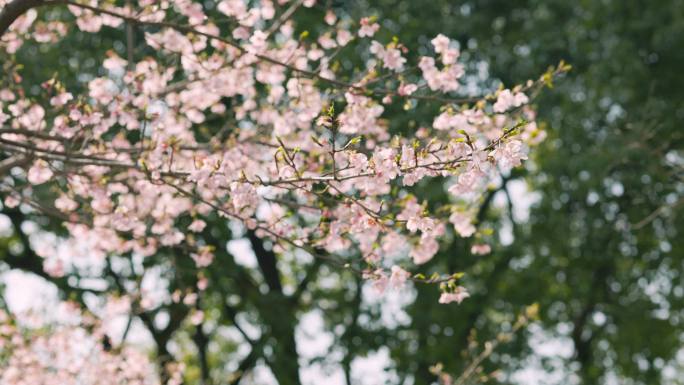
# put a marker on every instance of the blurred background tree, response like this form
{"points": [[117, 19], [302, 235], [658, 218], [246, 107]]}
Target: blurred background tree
{"points": [[602, 248], [598, 247]]}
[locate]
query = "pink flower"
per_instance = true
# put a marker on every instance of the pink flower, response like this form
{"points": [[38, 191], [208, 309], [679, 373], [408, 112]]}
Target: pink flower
{"points": [[462, 224], [468, 181], [368, 27], [244, 197], [204, 257], [61, 99], [12, 201], [510, 154], [32, 118], [413, 215], [176, 296], [391, 57], [65, 204], [360, 117], [202, 283], [424, 250], [330, 17], [114, 63], [241, 33], [508, 99], [379, 279], [450, 56], [441, 43], [190, 299], [326, 41], [399, 277], [343, 37], [393, 244], [89, 22], [197, 225], [197, 317], [258, 42], [480, 249], [102, 90], [235, 8], [450, 76], [445, 80], [393, 60], [54, 267], [385, 165], [406, 89], [459, 294], [193, 11], [39, 173], [358, 161], [102, 202]]}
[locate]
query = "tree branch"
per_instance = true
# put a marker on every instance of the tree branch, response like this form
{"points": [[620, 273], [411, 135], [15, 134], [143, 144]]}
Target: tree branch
{"points": [[14, 10], [30, 262], [200, 339], [267, 263], [6, 165]]}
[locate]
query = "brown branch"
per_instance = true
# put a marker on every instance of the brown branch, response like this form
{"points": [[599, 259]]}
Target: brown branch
{"points": [[656, 213], [267, 263], [359, 89], [6, 165], [284, 17], [14, 10]]}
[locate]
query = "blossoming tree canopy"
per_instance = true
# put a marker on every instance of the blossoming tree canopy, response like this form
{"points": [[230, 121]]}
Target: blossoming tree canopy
{"points": [[70, 353], [305, 157]]}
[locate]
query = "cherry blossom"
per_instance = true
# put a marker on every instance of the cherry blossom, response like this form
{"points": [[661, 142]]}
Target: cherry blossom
{"points": [[458, 295], [480, 249], [508, 99], [39, 173], [390, 56], [197, 225], [399, 276], [306, 160], [70, 353], [462, 224], [426, 248], [368, 27], [511, 154]]}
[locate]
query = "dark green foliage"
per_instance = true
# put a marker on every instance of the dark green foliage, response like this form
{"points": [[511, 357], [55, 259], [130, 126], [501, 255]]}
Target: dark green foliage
{"points": [[613, 158]]}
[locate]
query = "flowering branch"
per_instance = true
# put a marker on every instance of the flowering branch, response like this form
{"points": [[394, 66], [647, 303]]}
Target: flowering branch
{"points": [[288, 167]]}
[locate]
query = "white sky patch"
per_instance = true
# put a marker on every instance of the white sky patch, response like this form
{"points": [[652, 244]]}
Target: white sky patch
{"points": [[314, 341], [312, 338], [27, 292], [242, 251], [555, 351], [522, 200], [5, 226], [370, 370]]}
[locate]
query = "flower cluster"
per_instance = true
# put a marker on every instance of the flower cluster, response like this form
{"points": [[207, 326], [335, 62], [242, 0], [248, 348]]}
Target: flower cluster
{"points": [[305, 157], [68, 353]]}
